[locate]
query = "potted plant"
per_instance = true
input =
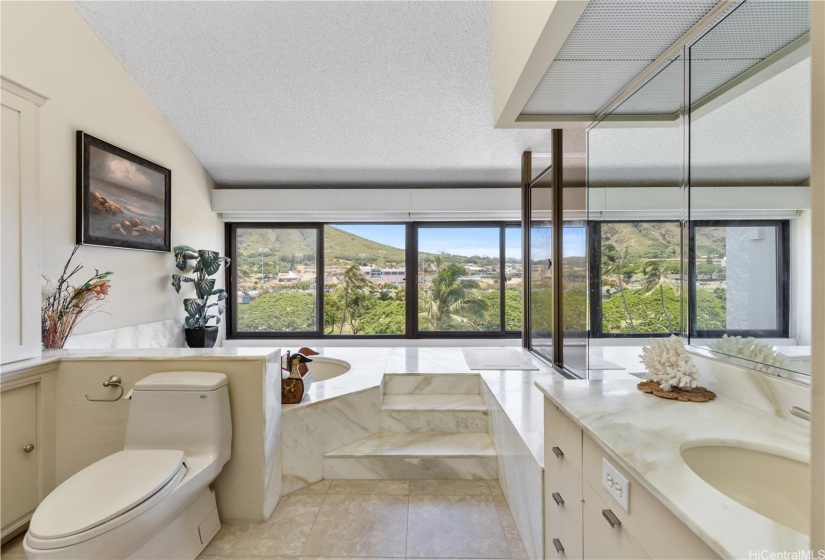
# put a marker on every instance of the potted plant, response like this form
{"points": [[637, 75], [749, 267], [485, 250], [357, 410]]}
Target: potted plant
{"points": [[205, 264]]}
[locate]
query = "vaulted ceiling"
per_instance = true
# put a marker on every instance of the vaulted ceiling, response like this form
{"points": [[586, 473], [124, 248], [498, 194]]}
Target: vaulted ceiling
{"points": [[322, 93]]}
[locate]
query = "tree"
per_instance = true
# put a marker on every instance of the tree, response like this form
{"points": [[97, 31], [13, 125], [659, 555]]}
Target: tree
{"points": [[613, 263], [350, 281], [449, 302], [654, 278]]}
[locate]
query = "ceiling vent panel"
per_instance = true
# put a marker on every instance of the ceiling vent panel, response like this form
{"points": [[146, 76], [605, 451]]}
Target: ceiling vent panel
{"points": [[611, 44]]}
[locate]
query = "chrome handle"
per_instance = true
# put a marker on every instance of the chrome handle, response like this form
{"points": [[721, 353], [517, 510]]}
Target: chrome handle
{"points": [[611, 518], [558, 499], [113, 381], [801, 413], [557, 544], [28, 448], [558, 452]]}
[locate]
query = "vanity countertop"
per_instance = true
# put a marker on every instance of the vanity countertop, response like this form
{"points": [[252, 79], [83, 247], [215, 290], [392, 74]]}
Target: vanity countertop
{"points": [[15, 369], [645, 435]]}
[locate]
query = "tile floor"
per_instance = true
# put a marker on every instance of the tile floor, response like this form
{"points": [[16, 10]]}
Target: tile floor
{"points": [[378, 519]]}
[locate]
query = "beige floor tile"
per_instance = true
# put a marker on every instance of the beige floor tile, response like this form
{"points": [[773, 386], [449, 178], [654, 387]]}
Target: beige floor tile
{"points": [[395, 487], [455, 527], [450, 487], [495, 488], [317, 488], [14, 548], [359, 526], [283, 535], [511, 532]]}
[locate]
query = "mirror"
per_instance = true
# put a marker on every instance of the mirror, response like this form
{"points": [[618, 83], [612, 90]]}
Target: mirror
{"points": [[749, 274]]}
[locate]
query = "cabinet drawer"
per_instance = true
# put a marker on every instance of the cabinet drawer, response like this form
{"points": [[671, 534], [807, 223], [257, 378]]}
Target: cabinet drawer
{"points": [[603, 541], [560, 527], [672, 539], [561, 435]]}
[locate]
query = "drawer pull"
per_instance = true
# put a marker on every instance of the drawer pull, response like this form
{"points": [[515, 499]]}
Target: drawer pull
{"points": [[28, 448], [557, 544], [558, 452], [558, 499], [611, 518]]}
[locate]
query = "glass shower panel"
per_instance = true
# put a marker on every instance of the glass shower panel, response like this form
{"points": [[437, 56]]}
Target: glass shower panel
{"points": [[541, 258], [636, 211]]}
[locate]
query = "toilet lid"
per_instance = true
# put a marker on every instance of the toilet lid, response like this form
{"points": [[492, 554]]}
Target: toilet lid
{"points": [[105, 490]]}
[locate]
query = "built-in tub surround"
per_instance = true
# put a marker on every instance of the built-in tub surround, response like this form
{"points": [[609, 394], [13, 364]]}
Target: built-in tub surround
{"points": [[645, 435], [249, 485]]}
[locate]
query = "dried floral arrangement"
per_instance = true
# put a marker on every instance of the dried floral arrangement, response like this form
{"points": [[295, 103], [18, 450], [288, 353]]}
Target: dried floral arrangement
{"points": [[671, 373], [763, 355], [63, 304]]}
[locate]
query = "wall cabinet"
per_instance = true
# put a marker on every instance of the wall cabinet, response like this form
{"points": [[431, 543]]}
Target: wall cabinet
{"points": [[19, 224], [583, 520]]}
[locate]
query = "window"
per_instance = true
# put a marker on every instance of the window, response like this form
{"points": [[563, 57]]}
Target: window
{"points": [[637, 278], [275, 279], [739, 272], [365, 277], [467, 281]]}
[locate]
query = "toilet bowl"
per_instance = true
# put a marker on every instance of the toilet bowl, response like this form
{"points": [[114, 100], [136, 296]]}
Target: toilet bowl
{"points": [[152, 500]]}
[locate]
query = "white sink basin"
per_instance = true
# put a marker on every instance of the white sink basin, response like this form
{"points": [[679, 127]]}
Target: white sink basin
{"points": [[772, 485], [327, 368]]}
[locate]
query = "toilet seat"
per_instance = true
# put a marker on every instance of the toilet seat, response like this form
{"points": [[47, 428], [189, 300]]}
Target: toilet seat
{"points": [[105, 495]]}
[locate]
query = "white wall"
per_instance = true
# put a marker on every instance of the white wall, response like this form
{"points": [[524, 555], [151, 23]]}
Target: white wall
{"points": [[48, 47]]}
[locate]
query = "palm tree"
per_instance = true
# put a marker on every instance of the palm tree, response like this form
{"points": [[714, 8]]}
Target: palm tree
{"points": [[613, 263], [351, 280], [450, 302], [654, 277]]}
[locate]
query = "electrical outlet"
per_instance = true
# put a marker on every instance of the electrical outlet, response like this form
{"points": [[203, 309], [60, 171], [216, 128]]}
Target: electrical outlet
{"points": [[616, 484]]}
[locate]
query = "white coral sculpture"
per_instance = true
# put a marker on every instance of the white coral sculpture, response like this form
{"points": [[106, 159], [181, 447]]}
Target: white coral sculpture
{"points": [[750, 349], [668, 362]]}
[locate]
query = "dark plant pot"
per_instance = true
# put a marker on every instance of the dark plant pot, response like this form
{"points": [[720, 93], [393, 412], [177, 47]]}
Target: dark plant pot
{"points": [[201, 338]]}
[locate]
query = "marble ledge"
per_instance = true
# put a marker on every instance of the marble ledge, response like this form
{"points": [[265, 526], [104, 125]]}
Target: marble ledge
{"points": [[53, 357], [645, 435]]}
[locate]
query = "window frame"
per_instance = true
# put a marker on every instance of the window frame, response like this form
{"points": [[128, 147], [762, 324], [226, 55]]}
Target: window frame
{"points": [[411, 287], [783, 282]]}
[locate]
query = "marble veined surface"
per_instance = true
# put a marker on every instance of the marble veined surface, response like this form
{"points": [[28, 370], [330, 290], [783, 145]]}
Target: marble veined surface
{"points": [[645, 434]]}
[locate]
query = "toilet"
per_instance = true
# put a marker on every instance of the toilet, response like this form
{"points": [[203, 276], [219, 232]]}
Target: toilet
{"points": [[152, 500]]}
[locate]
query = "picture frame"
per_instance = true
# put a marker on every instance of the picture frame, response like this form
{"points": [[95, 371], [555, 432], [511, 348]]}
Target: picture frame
{"points": [[123, 200]]}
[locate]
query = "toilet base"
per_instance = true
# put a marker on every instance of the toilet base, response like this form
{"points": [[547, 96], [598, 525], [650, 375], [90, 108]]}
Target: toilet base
{"points": [[187, 535]]}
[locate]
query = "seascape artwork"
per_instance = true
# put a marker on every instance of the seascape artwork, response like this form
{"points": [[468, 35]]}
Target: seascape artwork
{"points": [[125, 199]]}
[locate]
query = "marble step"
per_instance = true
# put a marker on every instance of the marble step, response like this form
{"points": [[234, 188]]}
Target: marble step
{"points": [[433, 413], [438, 384], [414, 456]]}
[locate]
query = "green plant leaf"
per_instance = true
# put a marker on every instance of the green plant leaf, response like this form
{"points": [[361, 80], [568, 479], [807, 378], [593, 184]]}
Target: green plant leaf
{"points": [[204, 287], [192, 323], [217, 319], [193, 307], [209, 261], [183, 253], [177, 279], [222, 295]]}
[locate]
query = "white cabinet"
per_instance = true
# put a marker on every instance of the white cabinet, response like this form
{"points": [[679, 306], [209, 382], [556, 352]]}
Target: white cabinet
{"points": [[583, 520], [19, 224], [19, 454]]}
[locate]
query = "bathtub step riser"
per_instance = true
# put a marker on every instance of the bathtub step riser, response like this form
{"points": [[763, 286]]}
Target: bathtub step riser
{"points": [[411, 468], [441, 384], [424, 421]]}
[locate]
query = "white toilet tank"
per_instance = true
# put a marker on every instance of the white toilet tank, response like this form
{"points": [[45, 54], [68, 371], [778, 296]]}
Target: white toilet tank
{"points": [[186, 410]]}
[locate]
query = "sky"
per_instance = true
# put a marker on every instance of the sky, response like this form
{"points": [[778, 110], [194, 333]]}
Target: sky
{"points": [[471, 241]]}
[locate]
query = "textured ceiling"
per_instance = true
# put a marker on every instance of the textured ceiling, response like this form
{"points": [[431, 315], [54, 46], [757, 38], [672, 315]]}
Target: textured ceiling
{"points": [[322, 93]]}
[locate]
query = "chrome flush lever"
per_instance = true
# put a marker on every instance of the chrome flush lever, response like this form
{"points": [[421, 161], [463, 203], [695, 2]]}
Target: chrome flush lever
{"points": [[113, 381]]}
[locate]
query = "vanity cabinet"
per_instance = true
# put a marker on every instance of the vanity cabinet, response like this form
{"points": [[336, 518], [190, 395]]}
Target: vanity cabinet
{"points": [[582, 518], [19, 449]]}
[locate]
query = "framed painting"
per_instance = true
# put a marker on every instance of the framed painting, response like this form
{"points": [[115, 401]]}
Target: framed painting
{"points": [[123, 200]]}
